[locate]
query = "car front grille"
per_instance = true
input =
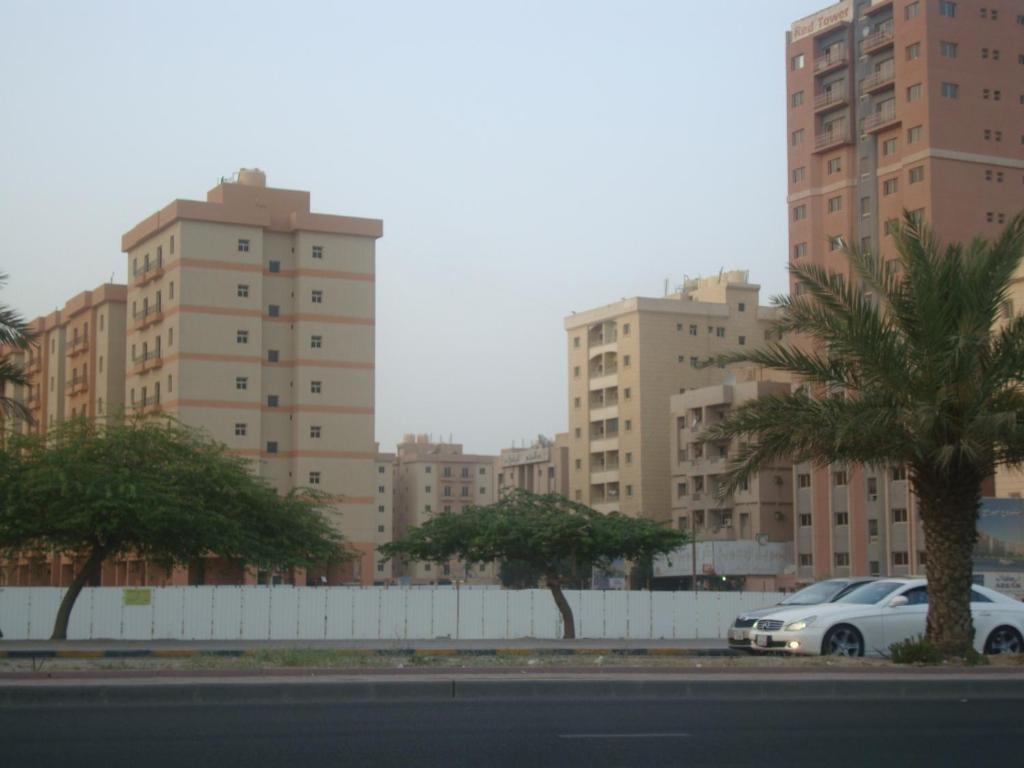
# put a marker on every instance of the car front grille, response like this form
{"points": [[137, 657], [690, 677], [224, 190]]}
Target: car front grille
{"points": [[769, 625], [743, 622]]}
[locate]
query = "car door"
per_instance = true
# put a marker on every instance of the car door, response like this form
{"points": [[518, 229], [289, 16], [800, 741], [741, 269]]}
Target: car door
{"points": [[905, 621]]}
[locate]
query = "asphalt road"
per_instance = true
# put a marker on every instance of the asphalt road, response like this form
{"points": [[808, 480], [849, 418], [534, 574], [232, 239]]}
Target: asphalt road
{"points": [[518, 733]]}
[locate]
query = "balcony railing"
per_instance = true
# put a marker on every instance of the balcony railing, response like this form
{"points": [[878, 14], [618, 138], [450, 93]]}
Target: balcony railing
{"points": [[148, 401], [880, 38], [879, 120], [147, 316], [148, 271], [832, 138], [831, 98], [878, 80], [74, 386], [78, 346], [147, 361], [836, 57]]}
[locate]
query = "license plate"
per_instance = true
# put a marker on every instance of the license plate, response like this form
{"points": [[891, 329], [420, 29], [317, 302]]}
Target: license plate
{"points": [[763, 640], [737, 634]]}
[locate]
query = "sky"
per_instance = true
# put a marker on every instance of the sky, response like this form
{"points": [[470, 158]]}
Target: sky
{"points": [[528, 159]]}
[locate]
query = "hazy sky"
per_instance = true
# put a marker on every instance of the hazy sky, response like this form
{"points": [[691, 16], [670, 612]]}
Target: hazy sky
{"points": [[528, 159]]}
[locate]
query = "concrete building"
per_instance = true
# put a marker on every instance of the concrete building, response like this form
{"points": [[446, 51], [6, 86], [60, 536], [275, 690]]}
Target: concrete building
{"points": [[893, 105], [385, 516], [438, 477], [253, 318], [758, 516], [541, 468], [625, 361]]}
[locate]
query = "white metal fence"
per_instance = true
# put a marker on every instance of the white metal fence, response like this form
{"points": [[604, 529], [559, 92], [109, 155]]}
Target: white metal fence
{"points": [[375, 613]]}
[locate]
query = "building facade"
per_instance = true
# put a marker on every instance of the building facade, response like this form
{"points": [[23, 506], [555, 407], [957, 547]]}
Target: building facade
{"points": [[252, 317], [893, 105], [438, 477], [541, 468], [626, 360]]}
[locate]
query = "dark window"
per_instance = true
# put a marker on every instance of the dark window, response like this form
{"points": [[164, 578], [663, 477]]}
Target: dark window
{"points": [[272, 401]]}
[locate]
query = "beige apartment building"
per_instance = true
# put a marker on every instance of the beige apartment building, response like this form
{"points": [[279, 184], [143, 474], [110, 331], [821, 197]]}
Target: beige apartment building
{"points": [[75, 368], [626, 360], [438, 477], [385, 516], [893, 105], [253, 317], [541, 468]]}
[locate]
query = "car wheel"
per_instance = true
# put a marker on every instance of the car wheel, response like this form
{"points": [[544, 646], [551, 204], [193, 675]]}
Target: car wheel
{"points": [[1004, 640], [842, 640]]}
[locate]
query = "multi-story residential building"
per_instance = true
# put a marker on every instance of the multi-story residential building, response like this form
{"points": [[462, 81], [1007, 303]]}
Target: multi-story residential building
{"points": [[757, 517], [438, 477], [385, 515], [253, 318], [625, 361], [893, 105], [541, 468]]}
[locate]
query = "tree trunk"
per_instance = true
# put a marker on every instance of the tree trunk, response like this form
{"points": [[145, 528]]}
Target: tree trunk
{"points": [[92, 564], [950, 522], [568, 623]]}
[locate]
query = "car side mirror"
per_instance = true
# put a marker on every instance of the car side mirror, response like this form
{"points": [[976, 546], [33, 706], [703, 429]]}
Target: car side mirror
{"points": [[899, 600]]}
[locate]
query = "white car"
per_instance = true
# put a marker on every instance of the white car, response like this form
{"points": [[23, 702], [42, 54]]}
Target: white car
{"points": [[872, 617]]}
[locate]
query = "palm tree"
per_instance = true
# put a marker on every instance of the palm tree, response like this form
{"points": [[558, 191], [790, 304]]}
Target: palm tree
{"points": [[14, 334], [919, 367]]}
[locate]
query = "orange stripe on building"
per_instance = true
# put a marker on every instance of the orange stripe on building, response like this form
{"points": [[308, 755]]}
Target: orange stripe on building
{"points": [[256, 405], [237, 266], [340, 319]]}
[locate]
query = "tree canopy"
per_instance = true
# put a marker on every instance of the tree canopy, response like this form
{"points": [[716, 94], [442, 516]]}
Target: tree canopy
{"points": [[14, 335], [914, 362], [548, 533], [154, 489]]}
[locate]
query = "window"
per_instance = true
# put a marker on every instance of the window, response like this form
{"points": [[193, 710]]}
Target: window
{"points": [[889, 147], [839, 478], [835, 243], [625, 329], [797, 99], [803, 480], [240, 429], [873, 526], [579, 464], [910, 12], [835, 165], [629, 457], [314, 387], [317, 297], [274, 266], [380, 529], [243, 246], [576, 403], [842, 518], [950, 90], [272, 401], [720, 332], [316, 342], [865, 209], [798, 137], [625, 361], [318, 251], [948, 9], [917, 174], [914, 92], [172, 244], [799, 212], [628, 425], [842, 559], [890, 186], [898, 473], [805, 520], [835, 204], [629, 490], [806, 560], [314, 478], [914, 134], [694, 362], [272, 355], [799, 250], [103, 316], [693, 330], [243, 291], [913, 51], [576, 433], [242, 337], [271, 446], [380, 471], [576, 372], [170, 337], [947, 49], [742, 340], [241, 382], [900, 558], [314, 432], [797, 62], [274, 310], [799, 174], [381, 489], [899, 514], [891, 225]]}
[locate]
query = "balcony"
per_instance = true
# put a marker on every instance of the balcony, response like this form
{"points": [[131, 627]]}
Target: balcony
{"points": [[880, 120], [832, 98], [33, 365], [149, 402], [148, 316], [834, 138], [147, 361], [78, 346], [837, 57], [75, 386], [149, 271], [877, 81], [879, 39]]}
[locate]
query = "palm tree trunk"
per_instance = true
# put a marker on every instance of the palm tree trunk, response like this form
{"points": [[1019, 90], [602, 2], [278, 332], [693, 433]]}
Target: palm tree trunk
{"points": [[950, 532], [568, 623], [92, 565]]}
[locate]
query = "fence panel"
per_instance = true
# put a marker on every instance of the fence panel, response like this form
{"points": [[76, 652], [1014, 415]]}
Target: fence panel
{"points": [[341, 613], [136, 620], [80, 625], [42, 612], [197, 613], [520, 613], [392, 612], [616, 613], [590, 614], [547, 621], [227, 613], [14, 612], [495, 615], [663, 615], [638, 605], [312, 613], [471, 613], [419, 613]]}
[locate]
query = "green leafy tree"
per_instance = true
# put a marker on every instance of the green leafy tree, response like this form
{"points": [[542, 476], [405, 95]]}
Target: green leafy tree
{"points": [[548, 534], [155, 489], [14, 334], [920, 367]]}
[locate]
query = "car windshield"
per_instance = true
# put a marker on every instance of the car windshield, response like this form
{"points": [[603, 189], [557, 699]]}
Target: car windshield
{"points": [[821, 592], [870, 593]]}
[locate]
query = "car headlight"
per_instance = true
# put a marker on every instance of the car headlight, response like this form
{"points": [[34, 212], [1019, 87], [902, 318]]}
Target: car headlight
{"points": [[796, 626]]}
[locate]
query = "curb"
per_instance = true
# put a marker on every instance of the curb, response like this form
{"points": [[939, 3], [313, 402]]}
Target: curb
{"points": [[186, 653]]}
